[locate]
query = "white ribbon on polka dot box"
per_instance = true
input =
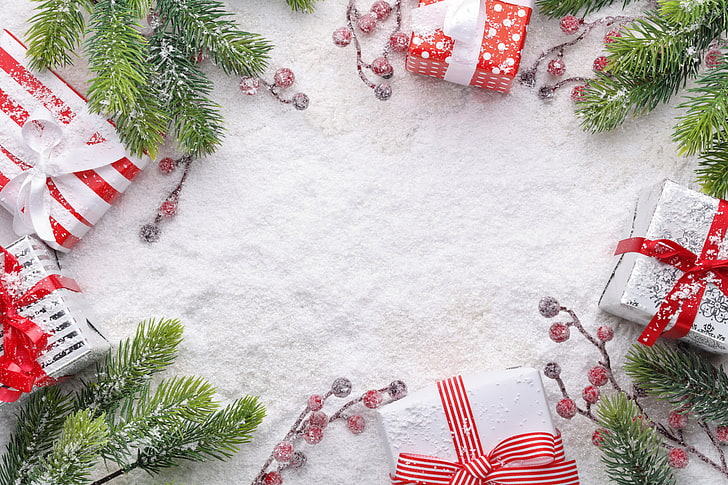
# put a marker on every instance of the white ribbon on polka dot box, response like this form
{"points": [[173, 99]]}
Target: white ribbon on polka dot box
{"points": [[470, 42]]}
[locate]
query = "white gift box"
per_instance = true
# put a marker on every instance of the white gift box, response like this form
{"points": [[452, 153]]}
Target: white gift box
{"points": [[639, 284]]}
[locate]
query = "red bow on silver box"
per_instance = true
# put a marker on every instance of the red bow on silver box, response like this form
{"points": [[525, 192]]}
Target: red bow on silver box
{"points": [[525, 459], [23, 340]]}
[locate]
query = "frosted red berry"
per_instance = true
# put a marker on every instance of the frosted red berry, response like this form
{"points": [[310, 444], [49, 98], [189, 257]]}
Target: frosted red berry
{"points": [[677, 420], [721, 434], [598, 436], [284, 77], [382, 67], [342, 36], [549, 307], [381, 9], [552, 370], [167, 165], [399, 42], [577, 94], [590, 394], [168, 209], [356, 424], [313, 435], [678, 458], [713, 58], [315, 402], [559, 332], [367, 23], [383, 91], [273, 478], [598, 375], [283, 451], [556, 67], [372, 399], [318, 419], [201, 56], [611, 35], [570, 24], [605, 333], [249, 85], [600, 63], [566, 408]]}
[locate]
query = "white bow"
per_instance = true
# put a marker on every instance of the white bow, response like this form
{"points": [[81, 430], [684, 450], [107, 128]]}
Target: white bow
{"points": [[59, 152]]}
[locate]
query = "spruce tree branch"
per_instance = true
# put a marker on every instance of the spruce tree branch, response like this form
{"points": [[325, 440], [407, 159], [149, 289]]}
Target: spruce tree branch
{"points": [[55, 31], [713, 169], [302, 5], [559, 8]]}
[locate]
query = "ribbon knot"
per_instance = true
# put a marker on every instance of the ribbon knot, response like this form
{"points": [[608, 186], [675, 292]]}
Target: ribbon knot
{"points": [[682, 302], [519, 460]]}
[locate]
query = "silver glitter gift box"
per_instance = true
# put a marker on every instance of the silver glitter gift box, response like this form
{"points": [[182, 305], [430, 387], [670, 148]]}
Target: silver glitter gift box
{"points": [[74, 342], [639, 284]]}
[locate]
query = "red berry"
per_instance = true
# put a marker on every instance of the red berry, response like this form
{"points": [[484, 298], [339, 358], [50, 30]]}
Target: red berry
{"points": [[342, 36], [318, 419], [566, 408], [356, 424], [577, 93], [598, 436], [367, 23], [382, 67], [168, 209], [167, 165], [721, 433], [313, 435], [559, 332], [249, 85], [273, 478], [399, 41], [678, 458], [677, 420], [373, 399], [283, 451], [556, 67], [201, 56], [713, 58], [598, 375], [611, 35], [570, 24], [284, 77], [381, 9], [315, 402], [605, 333], [600, 63], [590, 394]]}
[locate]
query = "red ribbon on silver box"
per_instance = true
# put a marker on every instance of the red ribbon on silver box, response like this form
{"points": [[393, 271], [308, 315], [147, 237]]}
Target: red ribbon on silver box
{"points": [[523, 459]]}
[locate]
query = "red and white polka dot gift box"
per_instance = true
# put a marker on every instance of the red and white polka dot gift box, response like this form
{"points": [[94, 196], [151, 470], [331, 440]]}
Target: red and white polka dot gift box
{"points": [[470, 42], [61, 167]]}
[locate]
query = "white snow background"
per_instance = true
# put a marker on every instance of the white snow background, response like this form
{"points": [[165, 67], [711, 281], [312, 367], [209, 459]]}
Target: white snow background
{"points": [[410, 239]]}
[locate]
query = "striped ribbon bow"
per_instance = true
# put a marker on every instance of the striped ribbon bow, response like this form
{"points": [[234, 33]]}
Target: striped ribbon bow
{"points": [[683, 301], [23, 339], [524, 459]]}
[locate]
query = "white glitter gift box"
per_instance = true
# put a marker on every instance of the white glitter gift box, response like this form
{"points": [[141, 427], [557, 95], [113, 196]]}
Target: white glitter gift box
{"points": [[45, 333], [486, 427], [671, 273]]}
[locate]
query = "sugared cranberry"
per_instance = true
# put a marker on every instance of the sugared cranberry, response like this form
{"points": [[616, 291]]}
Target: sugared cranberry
{"points": [[559, 332], [313, 435], [284, 77], [566, 408], [605, 333], [342, 36], [315, 402], [356, 424], [381, 9], [598, 375], [367, 23], [556, 67], [570, 24], [372, 399], [678, 458], [283, 451], [590, 394], [399, 41]]}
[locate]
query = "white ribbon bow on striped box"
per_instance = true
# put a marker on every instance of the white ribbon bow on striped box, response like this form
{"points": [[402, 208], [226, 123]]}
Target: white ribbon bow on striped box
{"points": [[61, 167]]}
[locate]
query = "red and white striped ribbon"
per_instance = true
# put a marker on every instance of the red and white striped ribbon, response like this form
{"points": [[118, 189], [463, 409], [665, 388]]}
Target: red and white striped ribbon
{"points": [[524, 459], [74, 195]]}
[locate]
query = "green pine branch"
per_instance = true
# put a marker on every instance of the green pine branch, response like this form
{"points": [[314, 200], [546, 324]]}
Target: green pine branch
{"points": [[631, 448], [129, 369], [680, 378], [40, 423], [184, 92], [713, 169], [302, 5], [55, 31], [206, 25], [75, 453], [559, 8]]}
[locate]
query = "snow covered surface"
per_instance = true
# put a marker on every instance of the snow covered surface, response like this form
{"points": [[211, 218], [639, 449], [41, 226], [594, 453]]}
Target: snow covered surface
{"points": [[410, 239]]}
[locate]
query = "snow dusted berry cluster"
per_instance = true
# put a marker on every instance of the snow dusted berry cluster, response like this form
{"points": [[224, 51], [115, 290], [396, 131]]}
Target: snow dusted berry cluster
{"points": [[312, 422], [151, 231], [364, 24], [601, 374], [282, 79]]}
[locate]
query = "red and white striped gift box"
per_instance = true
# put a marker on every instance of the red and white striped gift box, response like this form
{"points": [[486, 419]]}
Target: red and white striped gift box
{"points": [[60, 190]]}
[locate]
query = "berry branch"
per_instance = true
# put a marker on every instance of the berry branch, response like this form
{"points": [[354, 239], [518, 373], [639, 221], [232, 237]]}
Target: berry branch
{"points": [[641, 363], [311, 423]]}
